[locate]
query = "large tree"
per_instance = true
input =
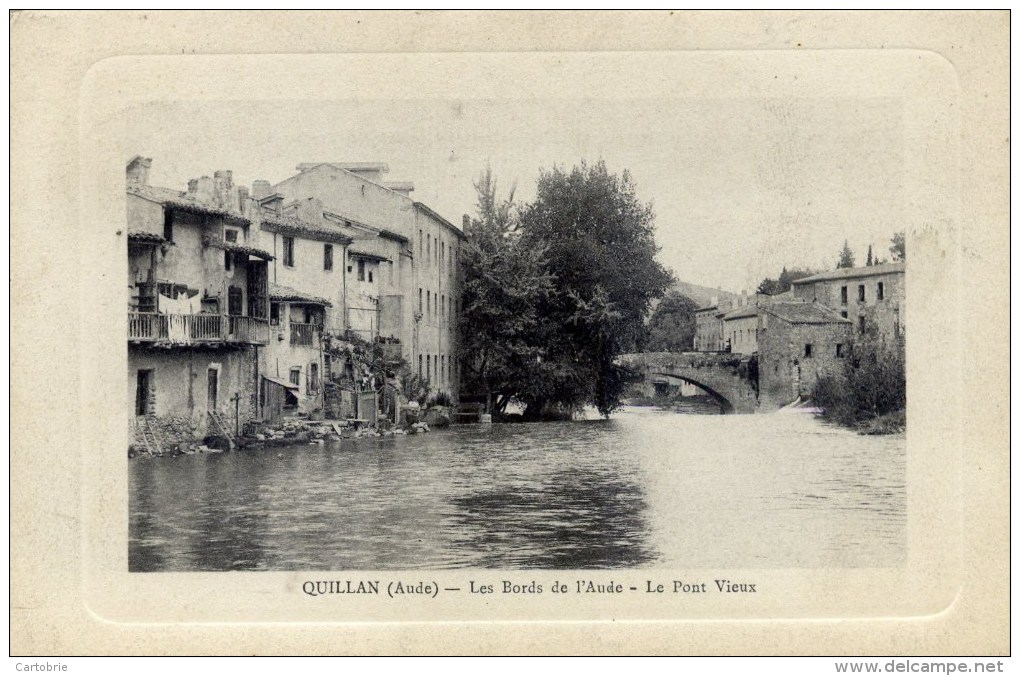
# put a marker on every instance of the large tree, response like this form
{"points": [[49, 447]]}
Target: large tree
{"points": [[898, 249], [672, 324], [846, 256], [599, 241], [773, 287], [504, 279]]}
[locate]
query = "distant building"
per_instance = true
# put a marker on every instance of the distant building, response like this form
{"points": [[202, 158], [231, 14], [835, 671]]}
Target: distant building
{"points": [[708, 329], [798, 342], [740, 329], [872, 298]]}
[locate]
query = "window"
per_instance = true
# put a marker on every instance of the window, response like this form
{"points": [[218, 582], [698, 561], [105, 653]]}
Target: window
{"points": [[228, 258], [419, 312], [419, 366], [843, 314], [860, 323], [274, 314], [168, 225], [860, 293], [428, 303], [442, 312], [839, 349], [295, 376], [288, 251], [234, 298], [350, 268], [428, 246], [842, 295], [807, 350], [421, 241], [313, 378], [327, 256], [370, 279], [230, 235], [428, 367], [881, 291], [361, 269], [442, 368], [435, 364]]}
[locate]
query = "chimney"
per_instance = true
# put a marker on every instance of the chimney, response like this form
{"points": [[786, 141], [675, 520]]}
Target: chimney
{"points": [[223, 187], [405, 188], [201, 189], [465, 222], [260, 189], [242, 198], [138, 170]]}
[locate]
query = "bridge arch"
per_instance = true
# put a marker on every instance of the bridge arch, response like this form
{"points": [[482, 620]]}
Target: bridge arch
{"points": [[724, 403], [729, 378]]}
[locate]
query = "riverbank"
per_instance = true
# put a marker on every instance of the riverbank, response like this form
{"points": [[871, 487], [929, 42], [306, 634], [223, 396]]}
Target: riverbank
{"points": [[289, 432]]}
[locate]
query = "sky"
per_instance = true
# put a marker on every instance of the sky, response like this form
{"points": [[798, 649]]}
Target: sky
{"points": [[741, 186]]}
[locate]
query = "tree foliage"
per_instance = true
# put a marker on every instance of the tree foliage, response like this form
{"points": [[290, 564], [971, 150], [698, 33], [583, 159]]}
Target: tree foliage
{"points": [[872, 383], [773, 287], [599, 243], [672, 325], [503, 280], [898, 247], [846, 256]]}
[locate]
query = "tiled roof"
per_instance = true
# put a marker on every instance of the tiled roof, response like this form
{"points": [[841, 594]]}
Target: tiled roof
{"points": [[287, 225], [742, 312], [366, 254], [145, 237], [287, 294], [179, 200], [805, 313], [428, 210], [851, 273], [706, 308], [389, 234], [240, 248]]}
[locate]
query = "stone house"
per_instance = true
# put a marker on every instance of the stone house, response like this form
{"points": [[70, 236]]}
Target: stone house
{"points": [[798, 341], [740, 329], [198, 307], [402, 263], [708, 329], [872, 298]]}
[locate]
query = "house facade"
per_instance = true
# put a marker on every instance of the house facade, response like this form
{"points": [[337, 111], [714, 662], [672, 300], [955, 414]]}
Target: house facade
{"points": [[872, 298], [402, 263], [708, 329], [740, 329], [799, 341], [198, 307]]}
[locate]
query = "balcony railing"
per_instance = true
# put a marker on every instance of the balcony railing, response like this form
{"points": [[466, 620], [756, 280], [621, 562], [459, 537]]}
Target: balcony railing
{"points": [[303, 334], [150, 327]]}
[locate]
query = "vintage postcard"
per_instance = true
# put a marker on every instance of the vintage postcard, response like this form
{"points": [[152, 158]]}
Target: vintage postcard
{"points": [[564, 349]]}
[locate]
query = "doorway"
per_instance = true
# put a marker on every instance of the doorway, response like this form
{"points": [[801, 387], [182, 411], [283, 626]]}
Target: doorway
{"points": [[213, 389], [142, 392]]}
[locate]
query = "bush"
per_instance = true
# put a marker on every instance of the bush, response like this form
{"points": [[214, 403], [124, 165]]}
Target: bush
{"points": [[872, 384]]}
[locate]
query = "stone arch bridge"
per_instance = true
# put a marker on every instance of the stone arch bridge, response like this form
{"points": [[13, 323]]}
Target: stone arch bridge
{"points": [[732, 379]]}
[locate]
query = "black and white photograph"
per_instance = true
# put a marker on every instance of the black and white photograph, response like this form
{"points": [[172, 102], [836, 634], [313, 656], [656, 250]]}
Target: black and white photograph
{"points": [[535, 334]]}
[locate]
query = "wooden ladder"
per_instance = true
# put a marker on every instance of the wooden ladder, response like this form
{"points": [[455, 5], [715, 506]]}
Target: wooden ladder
{"points": [[221, 427], [147, 435]]}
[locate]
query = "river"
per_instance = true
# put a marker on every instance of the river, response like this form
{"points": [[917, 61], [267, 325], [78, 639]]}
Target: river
{"points": [[646, 489]]}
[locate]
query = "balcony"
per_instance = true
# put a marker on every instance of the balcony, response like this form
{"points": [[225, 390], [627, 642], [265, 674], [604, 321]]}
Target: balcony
{"points": [[304, 335], [150, 327]]}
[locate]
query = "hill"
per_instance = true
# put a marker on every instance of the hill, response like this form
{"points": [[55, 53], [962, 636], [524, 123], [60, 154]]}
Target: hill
{"points": [[702, 295]]}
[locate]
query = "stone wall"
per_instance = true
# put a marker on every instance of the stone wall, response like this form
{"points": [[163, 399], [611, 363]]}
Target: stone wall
{"points": [[178, 392], [786, 371]]}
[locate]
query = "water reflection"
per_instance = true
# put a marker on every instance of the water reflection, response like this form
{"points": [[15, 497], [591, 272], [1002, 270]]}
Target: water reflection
{"points": [[645, 489]]}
